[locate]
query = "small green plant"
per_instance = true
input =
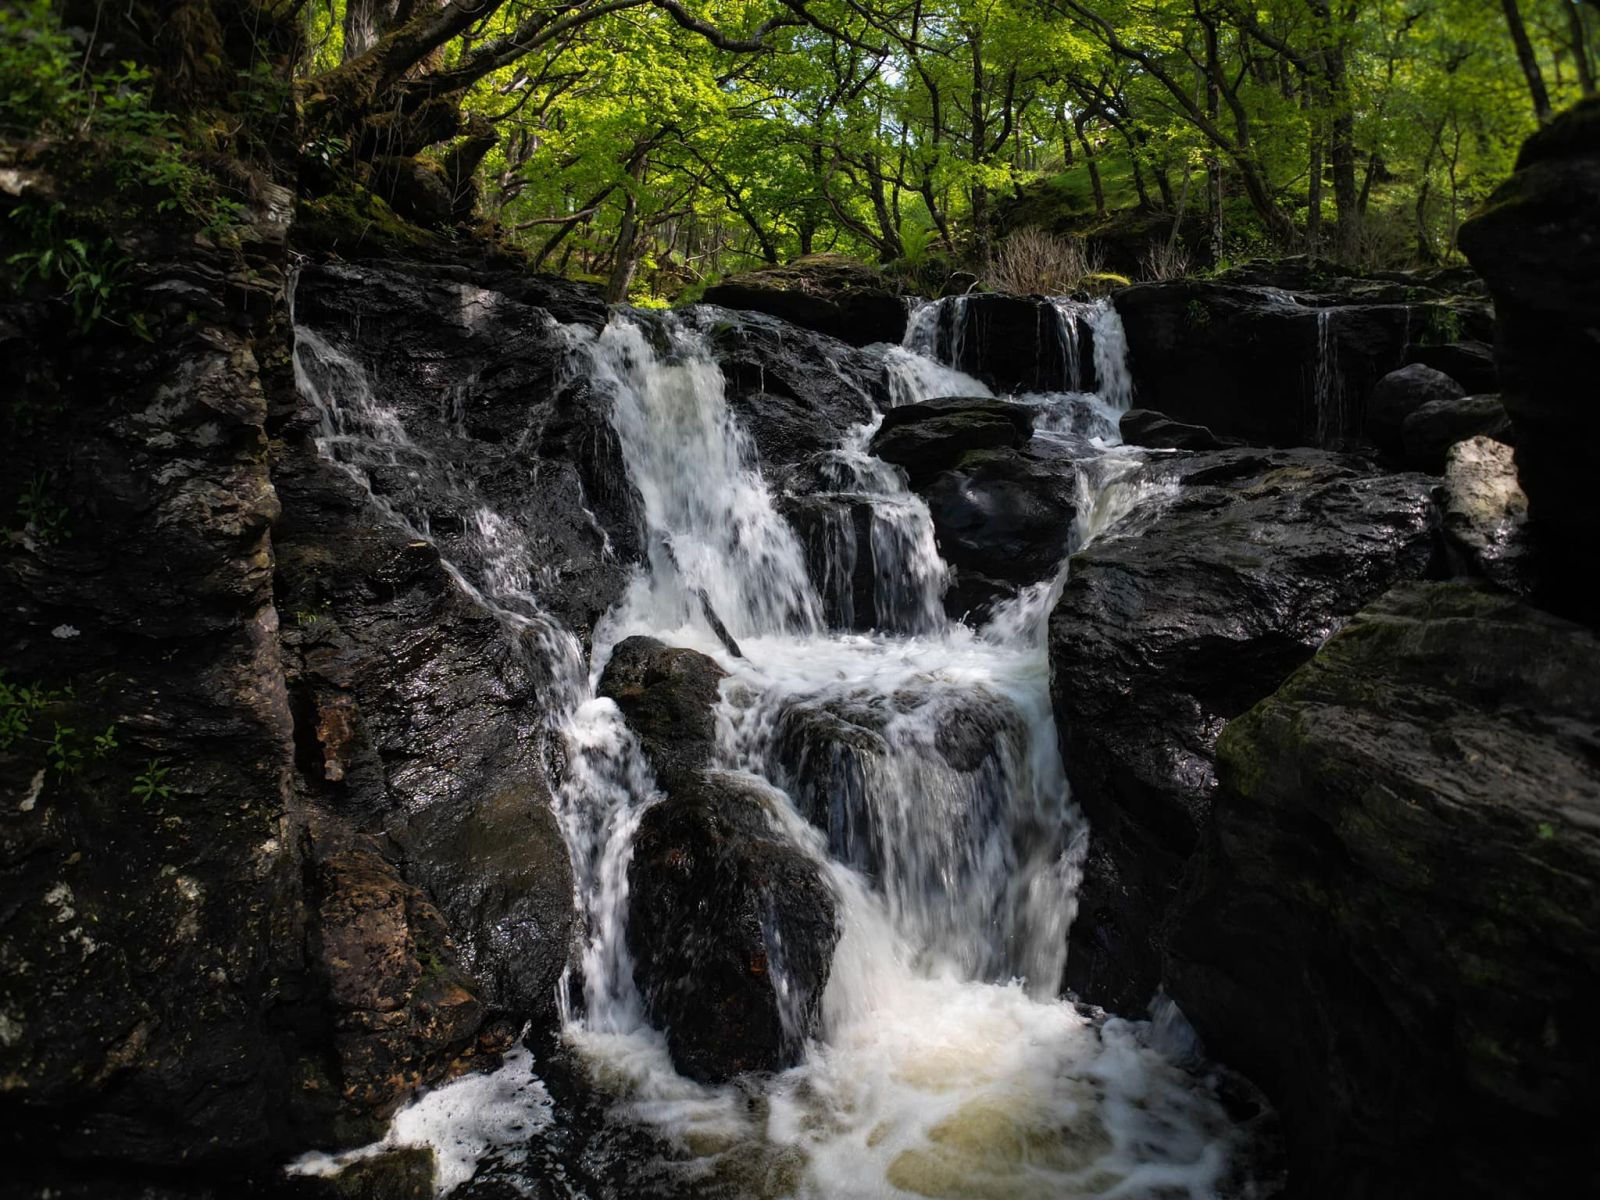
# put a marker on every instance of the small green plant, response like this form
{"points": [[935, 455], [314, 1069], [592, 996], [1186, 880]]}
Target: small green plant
{"points": [[62, 752], [42, 517], [88, 274], [915, 241], [105, 743], [19, 704], [150, 784]]}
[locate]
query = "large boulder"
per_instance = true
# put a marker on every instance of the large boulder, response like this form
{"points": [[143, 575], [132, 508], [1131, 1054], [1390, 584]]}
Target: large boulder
{"points": [[1392, 924], [731, 928], [1399, 395], [1469, 363], [1427, 434], [1537, 242], [1146, 427], [1162, 635], [929, 438], [668, 696], [1276, 367], [828, 293], [730, 924]]}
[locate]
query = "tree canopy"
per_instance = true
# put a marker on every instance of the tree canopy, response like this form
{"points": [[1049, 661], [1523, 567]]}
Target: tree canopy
{"points": [[656, 144]]}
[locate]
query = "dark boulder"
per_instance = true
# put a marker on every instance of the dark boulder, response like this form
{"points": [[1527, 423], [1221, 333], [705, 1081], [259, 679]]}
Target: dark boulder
{"points": [[1391, 926], [1486, 515], [1401, 393], [731, 925], [1002, 512], [1145, 427], [1471, 364], [1428, 432], [1163, 634], [1537, 242], [1277, 367], [828, 293], [1003, 519], [731, 928], [926, 439], [668, 696]]}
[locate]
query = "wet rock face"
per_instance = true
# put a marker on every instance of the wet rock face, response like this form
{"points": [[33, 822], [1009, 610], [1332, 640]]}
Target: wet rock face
{"points": [[148, 944], [668, 696], [1145, 427], [1016, 344], [731, 926], [1537, 243], [731, 929], [1002, 514], [479, 371], [796, 393], [1245, 360], [1486, 515], [1164, 633], [927, 439], [828, 293], [1391, 925], [403, 1009], [419, 718]]}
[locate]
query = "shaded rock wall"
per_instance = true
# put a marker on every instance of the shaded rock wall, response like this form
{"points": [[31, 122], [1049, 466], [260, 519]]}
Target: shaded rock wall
{"points": [[1537, 243], [1390, 925], [1281, 366]]}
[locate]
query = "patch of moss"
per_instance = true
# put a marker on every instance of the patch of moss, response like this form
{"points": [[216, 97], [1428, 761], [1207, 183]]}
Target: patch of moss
{"points": [[352, 219]]}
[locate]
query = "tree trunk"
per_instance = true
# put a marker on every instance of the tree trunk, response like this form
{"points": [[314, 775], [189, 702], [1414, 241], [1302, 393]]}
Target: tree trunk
{"points": [[1580, 47], [1089, 161], [1314, 192], [1529, 61]]}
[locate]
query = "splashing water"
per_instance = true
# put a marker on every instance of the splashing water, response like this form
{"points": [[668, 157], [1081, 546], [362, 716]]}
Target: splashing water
{"points": [[916, 764]]}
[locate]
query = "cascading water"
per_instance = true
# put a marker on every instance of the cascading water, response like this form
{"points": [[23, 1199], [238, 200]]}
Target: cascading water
{"points": [[1327, 383], [945, 1064]]}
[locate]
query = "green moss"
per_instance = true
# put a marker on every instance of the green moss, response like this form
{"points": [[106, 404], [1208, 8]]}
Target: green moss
{"points": [[352, 218]]}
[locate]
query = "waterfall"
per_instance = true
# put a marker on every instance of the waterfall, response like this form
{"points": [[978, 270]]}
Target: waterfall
{"points": [[1327, 383], [916, 764]]}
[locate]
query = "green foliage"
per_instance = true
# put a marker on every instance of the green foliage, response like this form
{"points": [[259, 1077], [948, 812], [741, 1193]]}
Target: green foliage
{"points": [[87, 274], [37, 65], [150, 784], [915, 242], [116, 155], [42, 517], [20, 704], [62, 752]]}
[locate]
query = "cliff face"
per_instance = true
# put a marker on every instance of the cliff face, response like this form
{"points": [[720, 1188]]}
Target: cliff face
{"points": [[151, 879]]}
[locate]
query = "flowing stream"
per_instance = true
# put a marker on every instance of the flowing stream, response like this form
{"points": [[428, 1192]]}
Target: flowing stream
{"points": [[945, 1064]]}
